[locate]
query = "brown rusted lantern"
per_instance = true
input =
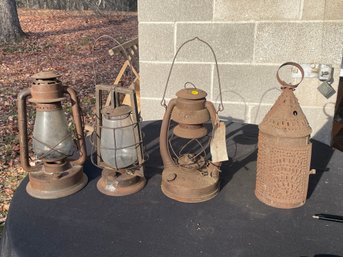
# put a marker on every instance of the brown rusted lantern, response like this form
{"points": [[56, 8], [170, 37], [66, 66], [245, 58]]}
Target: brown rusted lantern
{"points": [[55, 174], [284, 151], [119, 142], [190, 177]]}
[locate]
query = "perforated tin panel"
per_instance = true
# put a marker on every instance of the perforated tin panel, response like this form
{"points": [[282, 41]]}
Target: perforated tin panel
{"points": [[282, 172]]}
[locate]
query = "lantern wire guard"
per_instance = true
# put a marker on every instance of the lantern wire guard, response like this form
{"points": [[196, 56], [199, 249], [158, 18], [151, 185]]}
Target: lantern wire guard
{"points": [[119, 144], [57, 175], [284, 150], [189, 176]]}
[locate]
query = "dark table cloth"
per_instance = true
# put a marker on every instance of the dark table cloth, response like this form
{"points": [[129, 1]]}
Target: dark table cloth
{"points": [[148, 223]]}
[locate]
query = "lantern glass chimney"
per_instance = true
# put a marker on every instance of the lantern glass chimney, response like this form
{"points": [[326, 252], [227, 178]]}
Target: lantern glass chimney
{"points": [[51, 139], [117, 138]]}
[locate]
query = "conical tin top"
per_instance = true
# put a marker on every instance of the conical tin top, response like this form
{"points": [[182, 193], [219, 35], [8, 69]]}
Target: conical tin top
{"points": [[286, 118]]}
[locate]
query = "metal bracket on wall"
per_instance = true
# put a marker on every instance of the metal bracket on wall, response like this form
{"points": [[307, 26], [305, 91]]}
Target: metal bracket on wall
{"points": [[315, 70], [323, 72]]}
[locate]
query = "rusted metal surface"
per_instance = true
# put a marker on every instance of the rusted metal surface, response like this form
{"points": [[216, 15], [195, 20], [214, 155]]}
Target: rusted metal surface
{"points": [[192, 178], [118, 181], [52, 185], [46, 88], [284, 151], [190, 113], [110, 112], [57, 178]]}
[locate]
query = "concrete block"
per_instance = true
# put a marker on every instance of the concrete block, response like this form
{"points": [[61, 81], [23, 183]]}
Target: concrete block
{"points": [[230, 42], [154, 78], [247, 83], [323, 10], [281, 42], [237, 10], [308, 42], [332, 42], [151, 109], [156, 42], [190, 10], [313, 10]]}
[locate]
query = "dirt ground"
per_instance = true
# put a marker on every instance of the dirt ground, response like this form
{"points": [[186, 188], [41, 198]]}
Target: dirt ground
{"points": [[62, 41]]}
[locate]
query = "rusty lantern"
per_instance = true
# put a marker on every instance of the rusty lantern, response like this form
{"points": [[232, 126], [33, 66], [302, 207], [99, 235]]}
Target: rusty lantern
{"points": [[284, 151], [119, 142], [55, 175], [190, 177]]}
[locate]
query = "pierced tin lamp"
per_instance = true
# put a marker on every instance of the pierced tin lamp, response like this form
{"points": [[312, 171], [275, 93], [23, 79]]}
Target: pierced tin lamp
{"points": [[284, 151]]}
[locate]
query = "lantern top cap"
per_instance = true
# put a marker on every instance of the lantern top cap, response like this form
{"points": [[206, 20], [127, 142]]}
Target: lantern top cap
{"points": [[111, 112], [191, 93], [286, 118], [50, 74]]}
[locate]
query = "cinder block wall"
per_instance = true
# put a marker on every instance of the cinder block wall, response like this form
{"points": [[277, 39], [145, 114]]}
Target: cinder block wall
{"points": [[251, 39]]}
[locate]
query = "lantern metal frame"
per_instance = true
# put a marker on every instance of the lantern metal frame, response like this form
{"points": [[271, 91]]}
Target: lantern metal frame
{"points": [[119, 181], [51, 179]]}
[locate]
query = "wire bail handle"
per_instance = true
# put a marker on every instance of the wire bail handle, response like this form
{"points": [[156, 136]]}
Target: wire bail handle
{"points": [[287, 85], [163, 101]]}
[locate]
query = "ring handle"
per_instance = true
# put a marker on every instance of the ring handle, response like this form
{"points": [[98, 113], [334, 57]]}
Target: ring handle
{"points": [[283, 83], [189, 84]]}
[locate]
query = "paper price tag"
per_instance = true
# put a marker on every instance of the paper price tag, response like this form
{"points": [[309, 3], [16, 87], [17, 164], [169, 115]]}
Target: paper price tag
{"points": [[218, 144]]}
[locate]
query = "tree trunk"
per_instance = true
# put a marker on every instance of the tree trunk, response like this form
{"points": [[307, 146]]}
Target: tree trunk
{"points": [[10, 29]]}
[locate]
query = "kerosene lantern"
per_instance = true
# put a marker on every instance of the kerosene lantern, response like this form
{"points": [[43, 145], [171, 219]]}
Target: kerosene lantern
{"points": [[189, 177], [284, 150], [55, 174], [118, 142]]}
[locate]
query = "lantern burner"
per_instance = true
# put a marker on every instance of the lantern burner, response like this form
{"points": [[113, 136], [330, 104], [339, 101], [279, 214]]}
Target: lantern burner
{"points": [[192, 161]]}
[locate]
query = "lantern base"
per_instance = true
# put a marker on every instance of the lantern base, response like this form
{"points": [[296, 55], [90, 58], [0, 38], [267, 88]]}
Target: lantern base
{"points": [[114, 183], [278, 204], [51, 185], [190, 185]]}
